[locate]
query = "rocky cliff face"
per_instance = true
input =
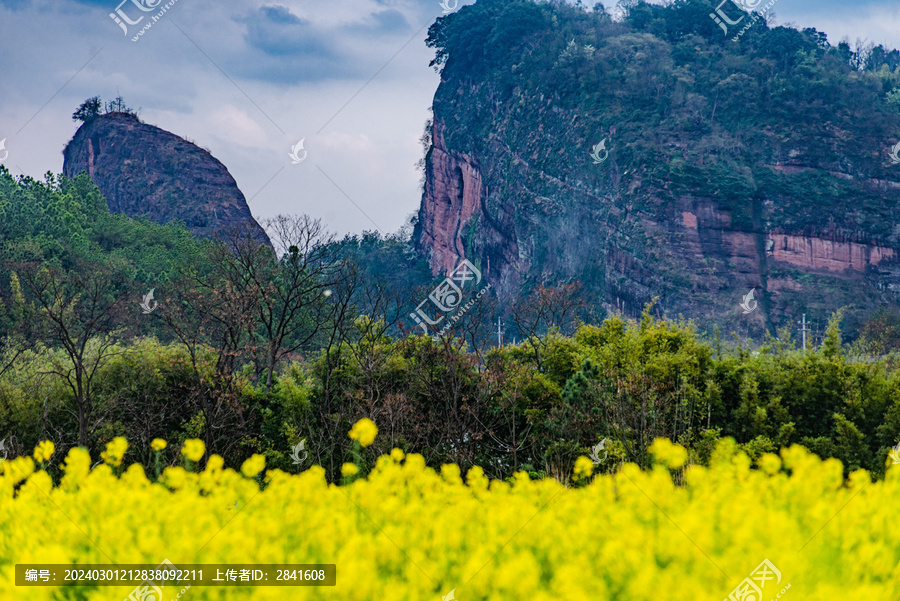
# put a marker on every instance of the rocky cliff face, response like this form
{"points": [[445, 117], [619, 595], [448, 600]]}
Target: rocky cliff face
{"points": [[718, 179], [143, 170], [456, 208]]}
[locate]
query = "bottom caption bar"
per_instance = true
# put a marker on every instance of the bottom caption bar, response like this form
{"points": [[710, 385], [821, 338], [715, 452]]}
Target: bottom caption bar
{"points": [[154, 578]]}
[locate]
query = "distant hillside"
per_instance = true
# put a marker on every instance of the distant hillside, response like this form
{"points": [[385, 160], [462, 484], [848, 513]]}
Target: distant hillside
{"points": [[761, 163], [143, 170]]}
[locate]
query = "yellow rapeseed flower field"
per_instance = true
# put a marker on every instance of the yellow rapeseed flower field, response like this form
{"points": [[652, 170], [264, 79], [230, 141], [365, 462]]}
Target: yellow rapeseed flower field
{"points": [[406, 532]]}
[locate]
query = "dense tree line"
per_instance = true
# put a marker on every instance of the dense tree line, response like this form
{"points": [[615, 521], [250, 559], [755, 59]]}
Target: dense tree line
{"points": [[256, 351]]}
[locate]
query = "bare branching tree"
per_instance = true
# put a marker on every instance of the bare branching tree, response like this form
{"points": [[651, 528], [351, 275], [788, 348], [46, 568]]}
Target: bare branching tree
{"points": [[293, 287], [17, 331], [80, 311], [546, 311], [360, 312], [477, 326], [506, 428], [213, 315]]}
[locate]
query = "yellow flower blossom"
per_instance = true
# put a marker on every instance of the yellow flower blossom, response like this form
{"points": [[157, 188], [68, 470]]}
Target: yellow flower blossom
{"points": [[115, 451], [451, 473], [77, 466], [668, 453], [364, 431], [253, 466], [44, 451], [584, 467], [769, 463], [397, 455], [158, 444], [193, 449], [349, 469], [215, 463]]}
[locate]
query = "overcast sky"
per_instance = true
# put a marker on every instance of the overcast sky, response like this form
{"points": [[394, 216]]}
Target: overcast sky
{"points": [[249, 78]]}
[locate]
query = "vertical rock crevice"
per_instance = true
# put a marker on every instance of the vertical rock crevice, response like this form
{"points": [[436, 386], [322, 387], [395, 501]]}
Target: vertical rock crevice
{"points": [[453, 219]]}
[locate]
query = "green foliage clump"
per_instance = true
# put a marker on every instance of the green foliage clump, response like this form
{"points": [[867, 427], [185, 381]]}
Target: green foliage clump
{"points": [[93, 107]]}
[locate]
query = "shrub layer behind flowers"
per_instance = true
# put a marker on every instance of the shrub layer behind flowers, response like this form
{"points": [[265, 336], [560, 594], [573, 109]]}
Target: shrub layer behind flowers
{"points": [[407, 532]]}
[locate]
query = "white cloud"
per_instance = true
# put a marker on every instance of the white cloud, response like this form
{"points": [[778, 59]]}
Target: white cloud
{"points": [[356, 144], [233, 125], [872, 22]]}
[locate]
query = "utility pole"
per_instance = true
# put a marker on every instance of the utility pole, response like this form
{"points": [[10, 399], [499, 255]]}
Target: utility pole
{"points": [[804, 332], [499, 335]]}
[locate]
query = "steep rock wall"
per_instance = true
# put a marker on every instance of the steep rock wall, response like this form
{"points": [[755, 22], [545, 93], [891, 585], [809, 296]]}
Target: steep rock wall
{"points": [[455, 221], [143, 170], [650, 163]]}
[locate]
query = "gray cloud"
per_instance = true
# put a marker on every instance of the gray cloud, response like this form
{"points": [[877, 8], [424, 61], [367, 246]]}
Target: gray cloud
{"points": [[285, 48], [385, 22], [278, 32]]}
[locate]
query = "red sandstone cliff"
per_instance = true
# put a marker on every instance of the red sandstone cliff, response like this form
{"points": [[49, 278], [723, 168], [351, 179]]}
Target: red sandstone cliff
{"points": [[454, 222], [143, 170]]}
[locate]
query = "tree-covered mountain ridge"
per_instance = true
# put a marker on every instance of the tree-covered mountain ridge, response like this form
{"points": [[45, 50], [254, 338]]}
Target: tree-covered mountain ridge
{"points": [[759, 164]]}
